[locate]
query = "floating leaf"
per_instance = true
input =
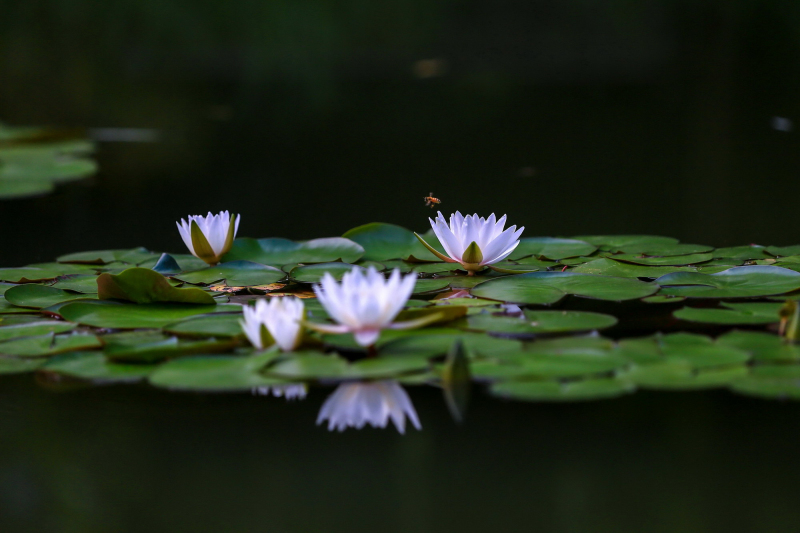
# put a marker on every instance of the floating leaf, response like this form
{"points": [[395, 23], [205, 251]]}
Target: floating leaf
{"points": [[15, 365], [86, 284], [736, 282], [149, 347], [552, 248], [747, 313], [678, 260], [761, 346], [142, 286], [49, 344], [94, 366], [548, 391], [314, 273], [31, 329], [610, 267], [627, 243], [205, 326], [40, 296], [283, 251], [215, 373], [27, 274], [386, 241], [105, 314], [235, 274], [549, 287]]}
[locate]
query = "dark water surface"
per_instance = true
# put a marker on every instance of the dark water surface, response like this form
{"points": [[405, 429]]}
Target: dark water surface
{"points": [[310, 118]]}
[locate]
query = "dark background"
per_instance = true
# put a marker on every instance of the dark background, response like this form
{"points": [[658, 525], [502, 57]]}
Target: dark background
{"points": [[312, 117]]}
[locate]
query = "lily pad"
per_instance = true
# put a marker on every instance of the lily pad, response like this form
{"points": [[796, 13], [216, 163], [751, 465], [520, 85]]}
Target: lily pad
{"points": [[678, 260], [215, 373], [235, 274], [149, 347], [208, 326], [94, 366], [105, 314], [744, 313], [736, 282], [283, 251], [314, 273], [18, 365], [31, 329], [40, 296], [552, 248], [549, 287], [762, 346], [430, 285], [49, 344], [103, 257], [611, 267], [627, 243], [83, 283], [549, 391], [27, 274], [142, 286], [781, 251], [312, 365], [382, 241]]}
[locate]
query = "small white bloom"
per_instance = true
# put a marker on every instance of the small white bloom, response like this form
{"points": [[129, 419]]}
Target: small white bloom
{"points": [[374, 403], [365, 302], [290, 391], [282, 317], [214, 238], [474, 241]]}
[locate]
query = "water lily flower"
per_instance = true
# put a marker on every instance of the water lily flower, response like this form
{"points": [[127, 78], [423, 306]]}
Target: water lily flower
{"points": [[365, 302], [290, 391], [209, 237], [355, 404], [280, 320], [473, 241]]}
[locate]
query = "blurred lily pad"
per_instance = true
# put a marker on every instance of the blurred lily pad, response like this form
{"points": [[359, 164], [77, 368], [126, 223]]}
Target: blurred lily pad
{"points": [[609, 266], [314, 365], [235, 274], [215, 373], [734, 313], [677, 260], [549, 391], [382, 241], [208, 326], [142, 285], [40, 296], [278, 252], [94, 366], [552, 248], [31, 329], [49, 344], [735, 282], [549, 287], [313, 273], [105, 314]]}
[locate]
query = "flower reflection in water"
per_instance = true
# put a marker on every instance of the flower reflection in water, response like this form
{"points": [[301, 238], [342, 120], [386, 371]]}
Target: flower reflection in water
{"points": [[356, 404], [290, 391]]}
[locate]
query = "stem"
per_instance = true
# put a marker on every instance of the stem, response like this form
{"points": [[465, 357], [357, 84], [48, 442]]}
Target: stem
{"points": [[372, 351]]}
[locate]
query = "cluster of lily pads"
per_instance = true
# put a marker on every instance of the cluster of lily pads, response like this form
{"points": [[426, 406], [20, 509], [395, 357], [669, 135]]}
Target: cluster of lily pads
{"points": [[33, 160], [539, 319]]}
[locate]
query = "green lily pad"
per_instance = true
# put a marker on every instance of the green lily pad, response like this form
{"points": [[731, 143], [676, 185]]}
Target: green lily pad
{"points": [[105, 314], [314, 273], [550, 391], [426, 343], [420, 268], [742, 253], [283, 251], [312, 365], [208, 326], [103, 257], [430, 285], [552, 248], [215, 373], [664, 250], [387, 241], [761, 346], [781, 251], [16, 365], [680, 375], [142, 286], [767, 387], [627, 243], [40, 296], [611, 267], [678, 260], [83, 283], [540, 322], [27, 274], [235, 274], [95, 367], [49, 344], [31, 329], [736, 282], [549, 287], [746, 313], [663, 299], [149, 347], [9, 308]]}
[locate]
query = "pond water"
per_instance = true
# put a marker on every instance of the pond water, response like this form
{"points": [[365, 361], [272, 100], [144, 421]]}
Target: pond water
{"points": [[666, 118]]}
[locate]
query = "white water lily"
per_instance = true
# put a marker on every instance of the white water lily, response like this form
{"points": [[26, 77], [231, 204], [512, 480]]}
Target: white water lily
{"points": [[365, 302], [209, 237], [375, 403], [281, 317], [290, 391], [473, 241]]}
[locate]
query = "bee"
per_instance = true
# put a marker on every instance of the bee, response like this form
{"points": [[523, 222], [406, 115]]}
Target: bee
{"points": [[431, 201]]}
